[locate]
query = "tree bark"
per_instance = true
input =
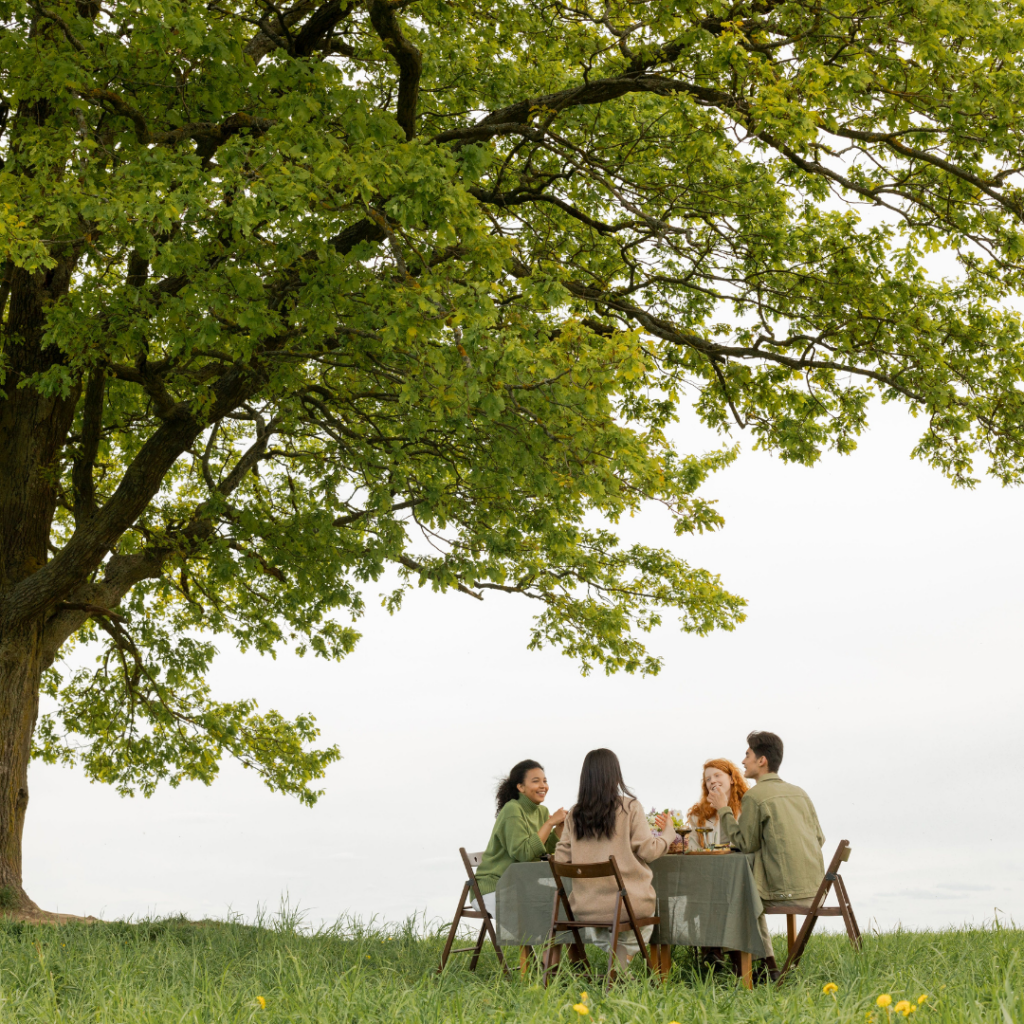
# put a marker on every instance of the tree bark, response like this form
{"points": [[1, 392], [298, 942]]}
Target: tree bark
{"points": [[20, 672], [33, 428]]}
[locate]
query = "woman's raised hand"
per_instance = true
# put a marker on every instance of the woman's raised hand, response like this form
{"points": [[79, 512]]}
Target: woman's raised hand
{"points": [[558, 816], [663, 822]]}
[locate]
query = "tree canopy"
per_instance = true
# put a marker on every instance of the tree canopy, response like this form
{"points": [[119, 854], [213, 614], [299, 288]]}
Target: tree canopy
{"points": [[293, 293]]}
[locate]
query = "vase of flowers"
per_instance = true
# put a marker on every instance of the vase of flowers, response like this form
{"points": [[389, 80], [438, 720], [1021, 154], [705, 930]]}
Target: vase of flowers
{"points": [[679, 823]]}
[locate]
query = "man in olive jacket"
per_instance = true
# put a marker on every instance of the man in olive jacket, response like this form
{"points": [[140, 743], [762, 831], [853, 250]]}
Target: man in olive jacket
{"points": [[778, 824]]}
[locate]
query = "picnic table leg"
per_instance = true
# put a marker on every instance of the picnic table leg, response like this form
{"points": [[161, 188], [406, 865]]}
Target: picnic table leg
{"points": [[746, 969], [790, 932], [665, 960]]}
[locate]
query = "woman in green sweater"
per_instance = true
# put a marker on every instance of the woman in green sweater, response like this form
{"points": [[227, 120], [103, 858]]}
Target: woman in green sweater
{"points": [[524, 830]]}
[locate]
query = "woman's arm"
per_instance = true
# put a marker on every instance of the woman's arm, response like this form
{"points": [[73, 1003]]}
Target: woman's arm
{"points": [[553, 824], [522, 843], [563, 851], [646, 846]]}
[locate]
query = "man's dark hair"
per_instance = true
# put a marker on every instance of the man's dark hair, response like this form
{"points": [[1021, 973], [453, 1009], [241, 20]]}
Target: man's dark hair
{"points": [[767, 745]]}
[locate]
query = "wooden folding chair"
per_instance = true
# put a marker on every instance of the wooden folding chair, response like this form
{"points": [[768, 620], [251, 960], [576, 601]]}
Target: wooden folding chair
{"points": [[575, 925], [796, 943], [467, 910]]}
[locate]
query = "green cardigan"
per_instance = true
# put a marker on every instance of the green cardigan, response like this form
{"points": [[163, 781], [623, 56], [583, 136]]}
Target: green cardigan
{"points": [[514, 838]]}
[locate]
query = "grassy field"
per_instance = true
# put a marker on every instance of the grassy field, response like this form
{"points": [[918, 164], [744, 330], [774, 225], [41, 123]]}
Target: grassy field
{"points": [[177, 972]]}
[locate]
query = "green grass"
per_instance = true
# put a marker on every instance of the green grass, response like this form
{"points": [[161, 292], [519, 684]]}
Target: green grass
{"points": [[175, 972]]}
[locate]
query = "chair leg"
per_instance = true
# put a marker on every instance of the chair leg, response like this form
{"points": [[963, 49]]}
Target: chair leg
{"points": [[479, 946], [798, 950], [451, 931], [489, 927], [614, 949], [852, 928], [552, 958], [790, 933], [525, 955]]}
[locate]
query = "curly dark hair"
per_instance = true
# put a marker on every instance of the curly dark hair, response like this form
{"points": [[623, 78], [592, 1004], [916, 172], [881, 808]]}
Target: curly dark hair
{"points": [[508, 788]]}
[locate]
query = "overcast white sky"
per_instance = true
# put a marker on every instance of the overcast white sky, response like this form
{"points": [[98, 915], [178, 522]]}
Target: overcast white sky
{"points": [[883, 643]]}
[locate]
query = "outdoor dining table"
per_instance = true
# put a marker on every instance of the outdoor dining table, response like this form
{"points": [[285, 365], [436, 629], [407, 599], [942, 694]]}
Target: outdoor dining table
{"points": [[703, 900]]}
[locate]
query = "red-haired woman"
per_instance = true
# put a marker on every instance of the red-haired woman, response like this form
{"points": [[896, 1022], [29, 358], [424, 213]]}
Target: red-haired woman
{"points": [[717, 772]]}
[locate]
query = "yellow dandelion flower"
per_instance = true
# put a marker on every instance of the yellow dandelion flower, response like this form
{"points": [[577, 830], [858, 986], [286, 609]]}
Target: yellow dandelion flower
{"points": [[262, 1002], [921, 1000], [583, 997], [884, 1000], [830, 988], [581, 1009], [903, 1006], [913, 1009]]}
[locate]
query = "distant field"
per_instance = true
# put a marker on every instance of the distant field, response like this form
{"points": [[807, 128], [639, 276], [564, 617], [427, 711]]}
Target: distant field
{"points": [[176, 972]]}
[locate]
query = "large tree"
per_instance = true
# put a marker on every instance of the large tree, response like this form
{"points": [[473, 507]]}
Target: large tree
{"points": [[292, 293]]}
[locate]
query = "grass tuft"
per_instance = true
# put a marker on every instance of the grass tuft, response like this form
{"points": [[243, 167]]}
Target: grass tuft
{"points": [[172, 971]]}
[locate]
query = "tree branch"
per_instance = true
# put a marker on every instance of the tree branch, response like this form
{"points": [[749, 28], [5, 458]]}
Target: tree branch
{"points": [[408, 58], [82, 468]]}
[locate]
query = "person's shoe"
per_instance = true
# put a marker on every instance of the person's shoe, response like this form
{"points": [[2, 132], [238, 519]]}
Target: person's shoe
{"points": [[765, 972]]}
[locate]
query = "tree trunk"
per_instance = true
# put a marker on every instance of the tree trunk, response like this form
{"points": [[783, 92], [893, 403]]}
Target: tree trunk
{"points": [[33, 429], [20, 671]]}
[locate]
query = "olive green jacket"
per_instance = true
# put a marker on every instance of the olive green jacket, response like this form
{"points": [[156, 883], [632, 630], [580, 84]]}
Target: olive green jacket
{"points": [[778, 824]]}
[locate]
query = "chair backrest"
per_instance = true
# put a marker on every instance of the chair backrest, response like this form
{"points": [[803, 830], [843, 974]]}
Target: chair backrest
{"points": [[841, 855], [471, 861], [602, 869]]}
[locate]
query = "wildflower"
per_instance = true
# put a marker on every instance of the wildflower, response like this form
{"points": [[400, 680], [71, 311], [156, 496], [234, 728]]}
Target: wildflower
{"points": [[884, 1000], [830, 988], [262, 1002], [583, 997], [921, 1000], [903, 1006], [581, 1009]]}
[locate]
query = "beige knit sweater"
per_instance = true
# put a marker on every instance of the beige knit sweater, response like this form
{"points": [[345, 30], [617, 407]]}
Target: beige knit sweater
{"points": [[632, 845]]}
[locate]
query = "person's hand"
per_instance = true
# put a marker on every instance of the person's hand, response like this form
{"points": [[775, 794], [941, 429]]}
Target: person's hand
{"points": [[718, 796], [558, 817], [663, 822]]}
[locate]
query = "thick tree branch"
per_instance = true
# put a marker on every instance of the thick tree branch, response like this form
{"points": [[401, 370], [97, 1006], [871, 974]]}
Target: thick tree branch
{"points": [[85, 461], [142, 479], [315, 34], [122, 572], [408, 58]]}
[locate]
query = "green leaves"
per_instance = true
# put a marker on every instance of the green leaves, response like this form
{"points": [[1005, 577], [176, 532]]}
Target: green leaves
{"points": [[430, 297]]}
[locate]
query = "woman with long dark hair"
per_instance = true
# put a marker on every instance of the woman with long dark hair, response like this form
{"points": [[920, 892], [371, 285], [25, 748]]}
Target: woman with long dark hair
{"points": [[524, 829], [608, 820]]}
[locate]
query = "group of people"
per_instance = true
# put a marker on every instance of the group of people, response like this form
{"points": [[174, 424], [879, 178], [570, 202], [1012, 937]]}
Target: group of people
{"points": [[772, 819]]}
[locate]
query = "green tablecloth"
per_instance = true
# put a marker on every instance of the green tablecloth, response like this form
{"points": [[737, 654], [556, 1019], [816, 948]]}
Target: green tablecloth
{"points": [[702, 901]]}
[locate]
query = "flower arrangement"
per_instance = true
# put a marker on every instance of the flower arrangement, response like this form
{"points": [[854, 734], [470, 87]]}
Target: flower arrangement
{"points": [[678, 819]]}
